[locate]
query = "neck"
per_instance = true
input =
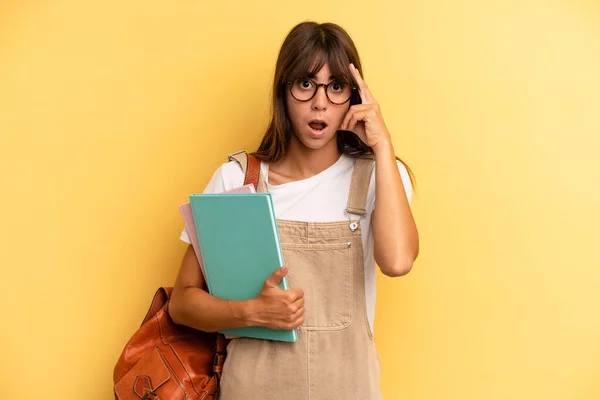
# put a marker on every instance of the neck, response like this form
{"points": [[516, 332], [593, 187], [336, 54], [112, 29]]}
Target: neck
{"points": [[307, 162]]}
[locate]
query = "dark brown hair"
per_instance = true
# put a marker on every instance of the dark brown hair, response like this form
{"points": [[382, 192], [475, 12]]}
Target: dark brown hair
{"points": [[307, 47]]}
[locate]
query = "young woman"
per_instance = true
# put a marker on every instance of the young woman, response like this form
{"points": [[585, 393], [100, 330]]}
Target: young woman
{"points": [[342, 204]]}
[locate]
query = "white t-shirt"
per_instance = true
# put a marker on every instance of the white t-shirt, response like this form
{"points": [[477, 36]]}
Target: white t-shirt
{"points": [[320, 198]]}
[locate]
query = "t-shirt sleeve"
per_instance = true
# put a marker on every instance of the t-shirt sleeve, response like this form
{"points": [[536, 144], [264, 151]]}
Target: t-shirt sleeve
{"points": [[405, 180], [228, 176], [215, 185]]}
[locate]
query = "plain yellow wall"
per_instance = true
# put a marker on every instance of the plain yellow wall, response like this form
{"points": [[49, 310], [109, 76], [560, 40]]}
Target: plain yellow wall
{"points": [[112, 112]]}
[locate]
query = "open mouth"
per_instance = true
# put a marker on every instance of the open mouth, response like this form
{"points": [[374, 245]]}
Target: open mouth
{"points": [[317, 125]]}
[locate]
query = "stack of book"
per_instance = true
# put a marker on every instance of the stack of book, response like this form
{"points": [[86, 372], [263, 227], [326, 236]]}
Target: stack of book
{"points": [[236, 240]]}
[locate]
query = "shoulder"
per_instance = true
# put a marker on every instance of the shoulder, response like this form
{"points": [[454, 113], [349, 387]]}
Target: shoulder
{"points": [[231, 168], [232, 174], [346, 162], [228, 176]]}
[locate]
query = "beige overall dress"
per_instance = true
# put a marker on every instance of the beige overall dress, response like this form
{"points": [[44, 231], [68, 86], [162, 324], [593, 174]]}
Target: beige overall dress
{"points": [[334, 356]]}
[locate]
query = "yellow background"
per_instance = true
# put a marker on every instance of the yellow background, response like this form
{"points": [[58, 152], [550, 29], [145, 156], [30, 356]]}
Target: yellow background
{"points": [[112, 112]]}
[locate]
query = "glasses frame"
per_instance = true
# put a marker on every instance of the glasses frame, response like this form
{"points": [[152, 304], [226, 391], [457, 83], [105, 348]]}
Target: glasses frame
{"points": [[318, 85]]}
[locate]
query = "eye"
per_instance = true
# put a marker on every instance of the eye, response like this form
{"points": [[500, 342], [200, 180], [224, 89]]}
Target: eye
{"points": [[306, 84], [337, 87]]}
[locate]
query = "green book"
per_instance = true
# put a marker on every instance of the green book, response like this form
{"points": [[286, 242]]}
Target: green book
{"points": [[239, 243]]}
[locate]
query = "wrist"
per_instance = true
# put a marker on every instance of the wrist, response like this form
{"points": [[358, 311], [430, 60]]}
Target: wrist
{"points": [[244, 310], [383, 146]]}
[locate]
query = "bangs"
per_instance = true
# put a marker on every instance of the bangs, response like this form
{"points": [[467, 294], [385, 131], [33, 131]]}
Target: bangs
{"points": [[313, 56]]}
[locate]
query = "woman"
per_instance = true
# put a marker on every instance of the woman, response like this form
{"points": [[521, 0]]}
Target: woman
{"points": [[342, 203]]}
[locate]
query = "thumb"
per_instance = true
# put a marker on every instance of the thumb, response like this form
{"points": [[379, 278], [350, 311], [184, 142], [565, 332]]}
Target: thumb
{"points": [[277, 276]]}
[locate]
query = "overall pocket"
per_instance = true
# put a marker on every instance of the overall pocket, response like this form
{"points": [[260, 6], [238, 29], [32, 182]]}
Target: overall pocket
{"points": [[326, 274]]}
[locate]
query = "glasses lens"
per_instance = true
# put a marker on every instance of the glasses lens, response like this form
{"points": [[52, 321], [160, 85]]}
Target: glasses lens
{"points": [[339, 93], [303, 89]]}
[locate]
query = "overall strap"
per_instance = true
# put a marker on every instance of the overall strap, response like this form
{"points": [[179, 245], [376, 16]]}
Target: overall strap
{"points": [[359, 188], [251, 167]]}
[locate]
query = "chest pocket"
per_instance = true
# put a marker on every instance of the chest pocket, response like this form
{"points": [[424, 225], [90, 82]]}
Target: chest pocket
{"points": [[326, 274]]}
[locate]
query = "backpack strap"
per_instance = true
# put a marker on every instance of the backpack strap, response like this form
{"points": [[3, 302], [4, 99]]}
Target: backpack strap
{"points": [[251, 168], [359, 188], [219, 360], [161, 297]]}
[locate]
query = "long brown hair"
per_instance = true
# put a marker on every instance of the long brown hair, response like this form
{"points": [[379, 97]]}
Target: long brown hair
{"points": [[307, 47]]}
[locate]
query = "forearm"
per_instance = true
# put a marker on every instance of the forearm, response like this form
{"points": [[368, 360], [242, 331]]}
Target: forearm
{"points": [[198, 309], [193, 306], [395, 234]]}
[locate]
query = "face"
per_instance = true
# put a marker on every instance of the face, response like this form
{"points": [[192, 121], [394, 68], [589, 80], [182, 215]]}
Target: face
{"points": [[315, 122]]}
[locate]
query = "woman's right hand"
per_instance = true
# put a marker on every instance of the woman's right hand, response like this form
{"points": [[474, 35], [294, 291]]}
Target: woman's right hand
{"points": [[276, 308]]}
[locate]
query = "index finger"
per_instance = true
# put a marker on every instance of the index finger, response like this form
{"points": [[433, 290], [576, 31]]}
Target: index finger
{"points": [[364, 91]]}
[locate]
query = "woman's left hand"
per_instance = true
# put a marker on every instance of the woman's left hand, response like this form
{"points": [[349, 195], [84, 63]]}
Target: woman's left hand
{"points": [[365, 119]]}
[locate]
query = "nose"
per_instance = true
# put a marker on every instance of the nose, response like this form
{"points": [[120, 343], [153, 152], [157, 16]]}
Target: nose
{"points": [[320, 101]]}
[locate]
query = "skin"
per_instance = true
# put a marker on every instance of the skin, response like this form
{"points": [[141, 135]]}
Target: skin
{"points": [[396, 242]]}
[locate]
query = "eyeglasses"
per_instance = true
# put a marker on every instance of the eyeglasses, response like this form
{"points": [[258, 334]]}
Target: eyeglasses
{"points": [[305, 89]]}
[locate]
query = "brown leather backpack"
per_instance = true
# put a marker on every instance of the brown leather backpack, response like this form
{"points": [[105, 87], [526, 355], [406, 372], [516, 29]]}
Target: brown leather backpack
{"points": [[164, 360]]}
